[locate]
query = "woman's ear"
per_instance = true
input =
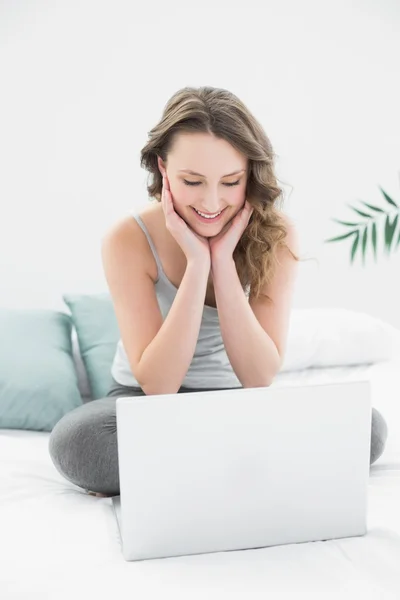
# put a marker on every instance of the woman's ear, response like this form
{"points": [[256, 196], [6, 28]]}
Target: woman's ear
{"points": [[161, 165]]}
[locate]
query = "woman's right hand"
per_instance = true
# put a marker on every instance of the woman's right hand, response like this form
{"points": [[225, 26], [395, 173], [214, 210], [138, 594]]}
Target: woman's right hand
{"points": [[195, 247]]}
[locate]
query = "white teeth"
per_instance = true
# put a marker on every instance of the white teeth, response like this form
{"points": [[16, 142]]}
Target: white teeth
{"points": [[208, 216]]}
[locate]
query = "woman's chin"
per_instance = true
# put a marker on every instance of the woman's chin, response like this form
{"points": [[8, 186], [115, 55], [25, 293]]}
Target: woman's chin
{"points": [[207, 231]]}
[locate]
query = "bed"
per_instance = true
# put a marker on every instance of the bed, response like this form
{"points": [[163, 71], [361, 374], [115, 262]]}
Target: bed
{"points": [[59, 542]]}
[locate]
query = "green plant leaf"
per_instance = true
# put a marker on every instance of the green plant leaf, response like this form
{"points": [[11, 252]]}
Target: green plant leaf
{"points": [[373, 236], [346, 223], [373, 207], [354, 247], [388, 198], [364, 243], [394, 225], [361, 232], [360, 212], [341, 237], [389, 231]]}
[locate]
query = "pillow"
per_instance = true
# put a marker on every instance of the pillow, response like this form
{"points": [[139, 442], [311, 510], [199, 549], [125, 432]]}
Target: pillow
{"points": [[317, 337], [329, 337], [98, 334], [38, 381]]}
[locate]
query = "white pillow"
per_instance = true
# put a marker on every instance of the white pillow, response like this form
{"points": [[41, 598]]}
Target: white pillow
{"points": [[329, 337]]}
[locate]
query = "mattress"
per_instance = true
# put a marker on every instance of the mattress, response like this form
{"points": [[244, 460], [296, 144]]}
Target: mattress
{"points": [[59, 542]]}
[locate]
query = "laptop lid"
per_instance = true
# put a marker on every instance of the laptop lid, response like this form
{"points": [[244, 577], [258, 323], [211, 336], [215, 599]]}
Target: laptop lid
{"points": [[244, 468]]}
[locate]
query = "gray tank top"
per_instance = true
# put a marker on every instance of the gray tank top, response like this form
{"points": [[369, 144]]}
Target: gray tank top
{"points": [[210, 366]]}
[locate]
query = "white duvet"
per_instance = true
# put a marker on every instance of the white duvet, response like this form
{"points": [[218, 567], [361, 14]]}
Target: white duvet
{"points": [[57, 542]]}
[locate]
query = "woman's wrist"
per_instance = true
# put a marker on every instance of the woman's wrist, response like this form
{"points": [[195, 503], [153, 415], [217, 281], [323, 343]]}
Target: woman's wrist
{"points": [[200, 265]]}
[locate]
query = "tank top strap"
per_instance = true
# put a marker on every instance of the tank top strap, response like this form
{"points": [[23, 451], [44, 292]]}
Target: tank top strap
{"points": [[138, 218]]}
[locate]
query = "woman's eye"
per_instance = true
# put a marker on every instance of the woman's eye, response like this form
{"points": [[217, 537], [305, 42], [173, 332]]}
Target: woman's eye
{"points": [[199, 182]]}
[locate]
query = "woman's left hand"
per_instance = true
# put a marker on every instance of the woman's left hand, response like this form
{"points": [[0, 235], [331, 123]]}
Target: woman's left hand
{"points": [[223, 244]]}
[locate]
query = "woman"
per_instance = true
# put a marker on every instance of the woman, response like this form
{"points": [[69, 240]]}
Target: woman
{"points": [[202, 280]]}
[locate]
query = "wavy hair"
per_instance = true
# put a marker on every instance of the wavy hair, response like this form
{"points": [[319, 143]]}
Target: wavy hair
{"points": [[219, 112]]}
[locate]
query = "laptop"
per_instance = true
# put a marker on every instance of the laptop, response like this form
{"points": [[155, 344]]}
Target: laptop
{"points": [[241, 469]]}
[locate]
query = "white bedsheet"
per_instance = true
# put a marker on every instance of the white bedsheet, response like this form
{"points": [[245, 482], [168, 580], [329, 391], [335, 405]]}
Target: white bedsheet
{"points": [[57, 542]]}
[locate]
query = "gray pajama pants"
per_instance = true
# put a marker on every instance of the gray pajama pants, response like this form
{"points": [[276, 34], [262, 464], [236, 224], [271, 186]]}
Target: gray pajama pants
{"points": [[83, 444]]}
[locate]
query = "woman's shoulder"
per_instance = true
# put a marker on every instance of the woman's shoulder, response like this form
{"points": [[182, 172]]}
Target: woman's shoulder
{"points": [[128, 225], [287, 221], [292, 235], [151, 214], [152, 217], [126, 239]]}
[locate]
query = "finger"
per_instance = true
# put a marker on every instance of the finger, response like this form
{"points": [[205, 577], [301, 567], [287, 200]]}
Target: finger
{"points": [[166, 184], [169, 209], [248, 210], [163, 194], [165, 187], [241, 212], [165, 201]]}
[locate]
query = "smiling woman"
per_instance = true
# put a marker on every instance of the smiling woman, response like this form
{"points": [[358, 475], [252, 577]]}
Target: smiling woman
{"points": [[212, 173], [177, 273]]}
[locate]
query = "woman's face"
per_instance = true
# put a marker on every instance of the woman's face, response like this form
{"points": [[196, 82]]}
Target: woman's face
{"points": [[216, 183]]}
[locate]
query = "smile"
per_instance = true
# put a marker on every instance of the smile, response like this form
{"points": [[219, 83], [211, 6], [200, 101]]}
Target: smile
{"points": [[205, 217]]}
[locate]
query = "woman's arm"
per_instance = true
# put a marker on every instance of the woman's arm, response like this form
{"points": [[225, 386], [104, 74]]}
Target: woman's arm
{"points": [[166, 360], [251, 352], [255, 331], [159, 350]]}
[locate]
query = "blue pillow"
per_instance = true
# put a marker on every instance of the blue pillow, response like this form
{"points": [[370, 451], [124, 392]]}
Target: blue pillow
{"points": [[98, 335], [38, 381]]}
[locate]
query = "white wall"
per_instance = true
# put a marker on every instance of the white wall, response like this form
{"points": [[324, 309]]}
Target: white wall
{"points": [[83, 82]]}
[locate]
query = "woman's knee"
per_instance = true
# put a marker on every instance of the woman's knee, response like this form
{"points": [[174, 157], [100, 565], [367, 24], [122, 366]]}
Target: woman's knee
{"points": [[83, 446], [379, 433]]}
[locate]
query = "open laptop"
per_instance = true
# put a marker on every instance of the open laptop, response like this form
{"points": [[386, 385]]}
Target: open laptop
{"points": [[245, 468]]}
